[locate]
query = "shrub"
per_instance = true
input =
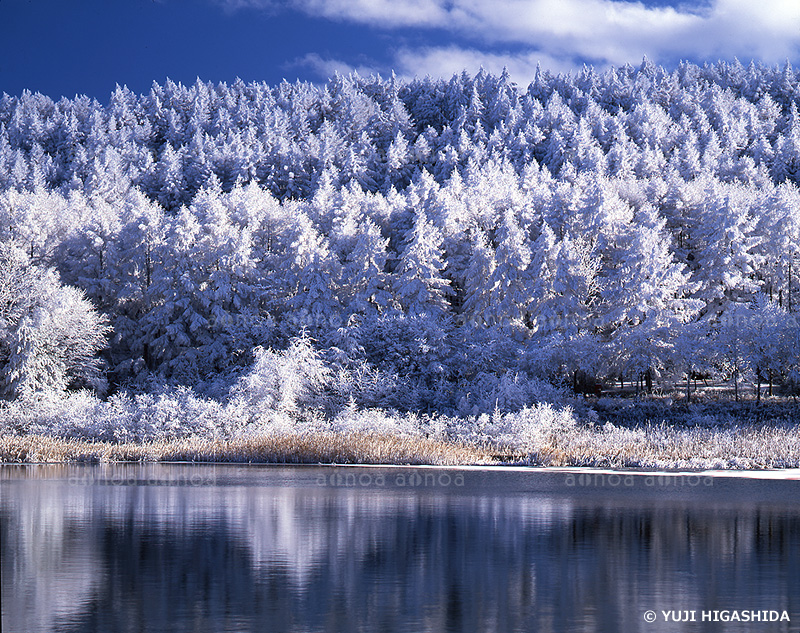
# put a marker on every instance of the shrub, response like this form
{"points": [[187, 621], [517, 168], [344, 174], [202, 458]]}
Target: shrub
{"points": [[284, 381]]}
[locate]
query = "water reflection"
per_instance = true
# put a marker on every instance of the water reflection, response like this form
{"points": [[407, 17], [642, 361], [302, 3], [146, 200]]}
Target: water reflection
{"points": [[180, 548]]}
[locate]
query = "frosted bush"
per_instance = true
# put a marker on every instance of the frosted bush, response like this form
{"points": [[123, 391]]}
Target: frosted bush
{"points": [[476, 429], [367, 386], [79, 415], [543, 425], [699, 419], [437, 426], [527, 429], [53, 413], [507, 393], [610, 403], [283, 381], [179, 412], [622, 436], [122, 418], [352, 420]]}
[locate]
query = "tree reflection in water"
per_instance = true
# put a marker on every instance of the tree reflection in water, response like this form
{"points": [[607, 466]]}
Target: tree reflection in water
{"points": [[270, 551]]}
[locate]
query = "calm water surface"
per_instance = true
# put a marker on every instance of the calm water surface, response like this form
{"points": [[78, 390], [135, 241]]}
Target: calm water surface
{"points": [[272, 548]]}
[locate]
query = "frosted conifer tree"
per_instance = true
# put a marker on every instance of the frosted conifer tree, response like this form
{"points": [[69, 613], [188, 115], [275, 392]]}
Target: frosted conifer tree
{"points": [[510, 281], [478, 293], [313, 277], [419, 286], [648, 301], [363, 274], [726, 252]]}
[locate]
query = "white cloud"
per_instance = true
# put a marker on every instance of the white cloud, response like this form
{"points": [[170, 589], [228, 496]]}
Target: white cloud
{"points": [[327, 67], [441, 62], [447, 61], [600, 30], [768, 30], [563, 33], [610, 31], [384, 13]]}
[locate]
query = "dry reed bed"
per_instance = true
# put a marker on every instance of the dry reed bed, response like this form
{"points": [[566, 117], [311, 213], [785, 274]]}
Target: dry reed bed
{"points": [[290, 448], [662, 446], [650, 446]]}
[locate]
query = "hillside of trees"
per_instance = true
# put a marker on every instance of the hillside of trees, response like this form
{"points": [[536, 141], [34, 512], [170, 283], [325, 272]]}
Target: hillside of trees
{"points": [[453, 246]]}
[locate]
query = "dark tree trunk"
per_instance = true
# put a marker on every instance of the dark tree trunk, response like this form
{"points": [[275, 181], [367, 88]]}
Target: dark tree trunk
{"points": [[758, 385]]}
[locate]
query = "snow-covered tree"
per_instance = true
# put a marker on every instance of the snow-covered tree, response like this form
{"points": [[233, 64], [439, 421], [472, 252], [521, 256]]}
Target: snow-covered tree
{"points": [[615, 217], [363, 277], [731, 347], [312, 277], [647, 301], [50, 335], [419, 287], [510, 282], [478, 310], [768, 341]]}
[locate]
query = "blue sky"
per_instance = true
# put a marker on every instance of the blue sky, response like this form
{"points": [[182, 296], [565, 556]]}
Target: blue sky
{"points": [[68, 47]]}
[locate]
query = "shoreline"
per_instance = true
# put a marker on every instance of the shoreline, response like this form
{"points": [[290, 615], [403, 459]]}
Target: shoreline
{"points": [[776, 474]]}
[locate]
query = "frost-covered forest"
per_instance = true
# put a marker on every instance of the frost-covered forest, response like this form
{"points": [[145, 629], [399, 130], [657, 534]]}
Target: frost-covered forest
{"points": [[453, 246]]}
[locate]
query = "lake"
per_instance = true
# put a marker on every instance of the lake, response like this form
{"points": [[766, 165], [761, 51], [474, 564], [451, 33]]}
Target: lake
{"points": [[319, 548]]}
